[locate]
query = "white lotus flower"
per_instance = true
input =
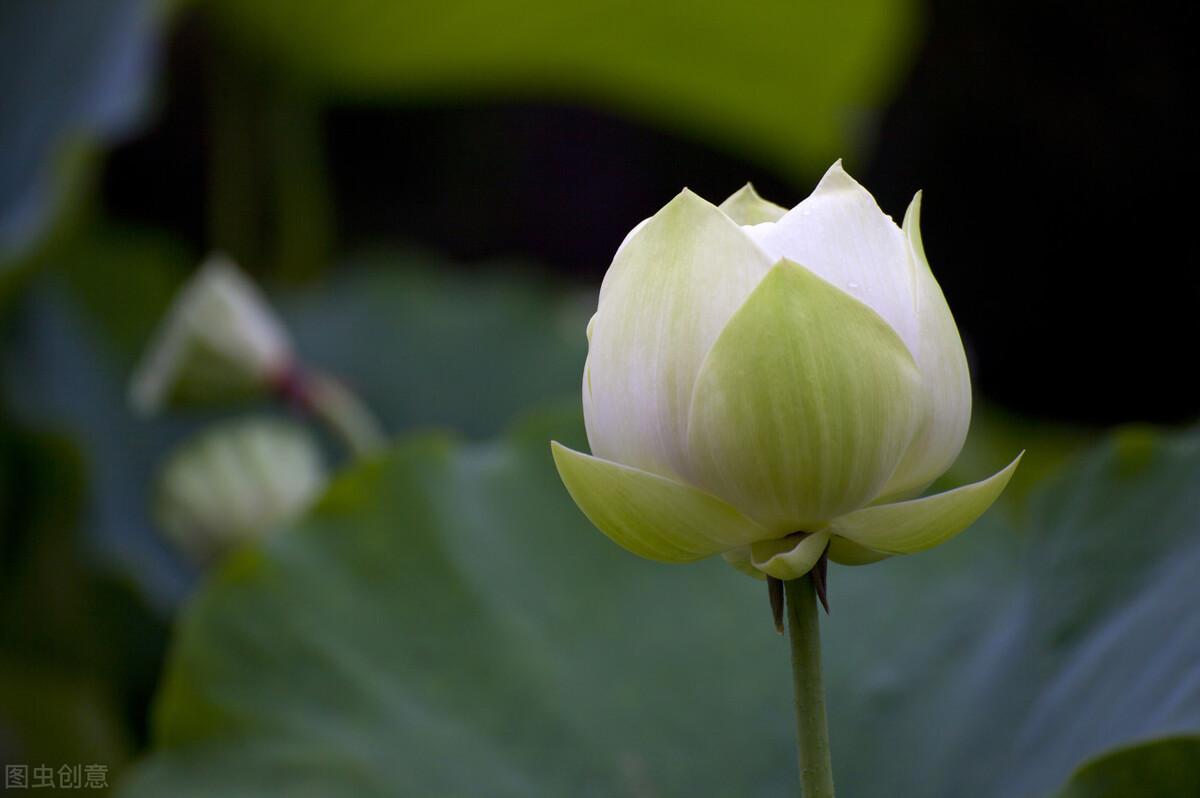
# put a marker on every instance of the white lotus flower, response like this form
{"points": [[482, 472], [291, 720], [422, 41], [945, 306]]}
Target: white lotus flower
{"points": [[770, 384]]}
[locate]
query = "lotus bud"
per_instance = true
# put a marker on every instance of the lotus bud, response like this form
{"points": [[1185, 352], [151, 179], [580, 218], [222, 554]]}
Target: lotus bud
{"points": [[234, 482], [774, 385], [219, 342]]}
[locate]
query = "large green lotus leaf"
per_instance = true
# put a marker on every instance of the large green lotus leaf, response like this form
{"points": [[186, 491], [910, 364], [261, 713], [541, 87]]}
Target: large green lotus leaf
{"points": [[428, 346], [1156, 769], [70, 71], [1028, 652], [447, 623], [791, 81]]}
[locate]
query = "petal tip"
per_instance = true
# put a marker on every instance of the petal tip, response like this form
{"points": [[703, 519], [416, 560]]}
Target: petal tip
{"points": [[746, 207], [560, 451], [685, 202], [836, 176], [912, 217], [561, 454], [837, 179]]}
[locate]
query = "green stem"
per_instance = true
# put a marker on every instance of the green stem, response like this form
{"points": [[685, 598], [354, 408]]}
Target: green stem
{"points": [[344, 413], [236, 174], [812, 731], [300, 206]]}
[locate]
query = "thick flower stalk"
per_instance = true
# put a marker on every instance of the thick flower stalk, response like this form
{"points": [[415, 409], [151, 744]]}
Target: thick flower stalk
{"points": [[774, 385]]}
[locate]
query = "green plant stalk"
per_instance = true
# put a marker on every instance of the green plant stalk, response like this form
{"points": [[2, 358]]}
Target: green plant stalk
{"points": [[812, 730], [343, 413], [300, 206], [236, 192]]}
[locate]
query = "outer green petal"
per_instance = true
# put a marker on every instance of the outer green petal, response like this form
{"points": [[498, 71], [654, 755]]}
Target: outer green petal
{"points": [[919, 524], [744, 206], [650, 515], [804, 406], [847, 552], [789, 558], [668, 294], [943, 364]]}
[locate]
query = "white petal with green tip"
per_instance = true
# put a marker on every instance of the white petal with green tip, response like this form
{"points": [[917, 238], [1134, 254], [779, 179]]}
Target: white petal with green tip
{"points": [[650, 515], [918, 524], [791, 557], [744, 206], [840, 233], [943, 366], [804, 406], [665, 299]]}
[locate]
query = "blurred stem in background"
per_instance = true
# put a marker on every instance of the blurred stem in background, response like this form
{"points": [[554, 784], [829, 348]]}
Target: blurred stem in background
{"points": [[812, 730], [303, 211], [331, 403], [268, 200]]}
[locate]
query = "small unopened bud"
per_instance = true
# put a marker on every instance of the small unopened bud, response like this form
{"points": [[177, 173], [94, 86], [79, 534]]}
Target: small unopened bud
{"points": [[236, 481], [219, 342]]}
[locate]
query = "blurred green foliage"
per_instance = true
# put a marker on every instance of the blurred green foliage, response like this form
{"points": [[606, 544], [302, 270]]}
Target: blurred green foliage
{"points": [[790, 82], [447, 604], [71, 71], [78, 649], [794, 85], [469, 352], [424, 345]]}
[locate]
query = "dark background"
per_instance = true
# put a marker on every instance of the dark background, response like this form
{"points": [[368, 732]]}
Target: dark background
{"points": [[1055, 145]]}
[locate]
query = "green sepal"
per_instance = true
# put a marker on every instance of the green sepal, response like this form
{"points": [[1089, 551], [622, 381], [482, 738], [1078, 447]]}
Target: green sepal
{"points": [[650, 515], [918, 524]]}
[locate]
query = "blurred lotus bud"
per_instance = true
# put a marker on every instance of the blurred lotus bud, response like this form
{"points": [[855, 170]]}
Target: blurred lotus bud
{"points": [[771, 385], [236, 481], [219, 342]]}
